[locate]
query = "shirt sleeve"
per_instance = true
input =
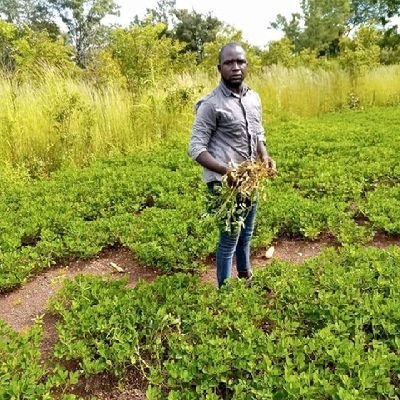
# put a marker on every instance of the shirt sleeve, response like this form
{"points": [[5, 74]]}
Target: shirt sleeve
{"points": [[203, 127], [261, 137], [261, 130]]}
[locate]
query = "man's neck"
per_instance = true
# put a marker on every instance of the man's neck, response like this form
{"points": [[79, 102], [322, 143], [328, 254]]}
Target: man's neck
{"points": [[235, 89]]}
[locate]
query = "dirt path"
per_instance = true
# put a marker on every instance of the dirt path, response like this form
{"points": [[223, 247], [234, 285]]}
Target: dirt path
{"points": [[20, 307]]}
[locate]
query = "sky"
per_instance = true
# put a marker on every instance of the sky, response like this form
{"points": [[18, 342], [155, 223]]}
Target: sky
{"points": [[252, 17]]}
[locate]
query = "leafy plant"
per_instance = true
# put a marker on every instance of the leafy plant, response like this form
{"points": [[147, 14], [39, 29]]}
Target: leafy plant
{"points": [[230, 202], [324, 329], [22, 374]]}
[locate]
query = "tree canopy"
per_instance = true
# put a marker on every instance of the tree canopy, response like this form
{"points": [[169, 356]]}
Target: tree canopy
{"points": [[353, 33]]}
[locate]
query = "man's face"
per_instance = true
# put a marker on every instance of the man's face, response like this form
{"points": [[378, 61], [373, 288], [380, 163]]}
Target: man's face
{"points": [[233, 66]]}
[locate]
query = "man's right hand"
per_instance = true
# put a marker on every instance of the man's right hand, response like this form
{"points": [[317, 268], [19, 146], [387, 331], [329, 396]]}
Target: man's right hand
{"points": [[231, 178], [206, 160]]}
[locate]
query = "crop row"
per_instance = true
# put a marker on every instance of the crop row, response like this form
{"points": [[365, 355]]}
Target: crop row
{"points": [[326, 329], [333, 172]]}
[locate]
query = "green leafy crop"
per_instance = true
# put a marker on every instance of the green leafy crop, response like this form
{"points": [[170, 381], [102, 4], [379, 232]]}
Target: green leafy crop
{"points": [[337, 175], [326, 329]]}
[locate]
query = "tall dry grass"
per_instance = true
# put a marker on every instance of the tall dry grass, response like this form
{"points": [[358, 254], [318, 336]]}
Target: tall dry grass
{"points": [[56, 121], [302, 92]]}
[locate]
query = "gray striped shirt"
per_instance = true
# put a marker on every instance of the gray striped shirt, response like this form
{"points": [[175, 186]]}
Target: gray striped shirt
{"points": [[228, 126]]}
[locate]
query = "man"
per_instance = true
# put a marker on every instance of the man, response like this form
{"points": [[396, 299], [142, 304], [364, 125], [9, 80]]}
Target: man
{"points": [[227, 131]]}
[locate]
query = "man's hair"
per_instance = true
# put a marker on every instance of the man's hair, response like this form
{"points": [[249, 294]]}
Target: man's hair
{"points": [[228, 45]]}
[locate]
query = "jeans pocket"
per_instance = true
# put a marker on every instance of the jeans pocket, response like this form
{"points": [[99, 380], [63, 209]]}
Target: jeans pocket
{"points": [[214, 187]]}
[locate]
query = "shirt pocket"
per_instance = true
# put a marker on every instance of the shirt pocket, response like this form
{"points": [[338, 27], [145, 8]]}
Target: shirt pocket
{"points": [[228, 122]]}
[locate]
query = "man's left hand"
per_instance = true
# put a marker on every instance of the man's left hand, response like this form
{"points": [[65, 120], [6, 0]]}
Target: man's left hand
{"points": [[269, 163]]}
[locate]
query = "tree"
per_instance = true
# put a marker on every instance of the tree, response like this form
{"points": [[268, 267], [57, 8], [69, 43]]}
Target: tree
{"points": [[319, 27], [83, 19], [23, 51], [145, 58], [291, 28], [361, 52], [280, 52], [323, 23], [8, 35], [164, 13], [196, 30], [10, 10], [373, 11], [390, 46], [190, 27], [34, 13]]}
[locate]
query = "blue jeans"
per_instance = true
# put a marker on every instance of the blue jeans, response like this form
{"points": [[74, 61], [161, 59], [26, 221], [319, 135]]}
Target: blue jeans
{"points": [[231, 244]]}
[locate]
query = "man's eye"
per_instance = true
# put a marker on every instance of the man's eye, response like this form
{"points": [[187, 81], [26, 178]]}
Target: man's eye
{"points": [[239, 62]]}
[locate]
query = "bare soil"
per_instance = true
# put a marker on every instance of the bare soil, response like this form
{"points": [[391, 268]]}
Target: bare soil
{"points": [[20, 307]]}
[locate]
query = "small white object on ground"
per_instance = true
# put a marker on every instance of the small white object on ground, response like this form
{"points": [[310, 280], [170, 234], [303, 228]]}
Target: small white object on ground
{"points": [[116, 267], [270, 252]]}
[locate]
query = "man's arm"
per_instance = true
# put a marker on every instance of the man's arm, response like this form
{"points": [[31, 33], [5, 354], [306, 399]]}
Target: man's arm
{"points": [[208, 161], [261, 148], [264, 157], [204, 126]]}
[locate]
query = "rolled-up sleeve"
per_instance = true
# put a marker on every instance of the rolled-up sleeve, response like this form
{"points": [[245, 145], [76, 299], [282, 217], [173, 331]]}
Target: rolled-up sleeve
{"points": [[260, 131], [203, 127], [261, 137]]}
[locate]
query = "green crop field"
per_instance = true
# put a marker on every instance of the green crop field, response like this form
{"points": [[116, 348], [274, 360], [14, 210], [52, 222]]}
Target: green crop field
{"points": [[332, 171], [108, 234], [326, 329]]}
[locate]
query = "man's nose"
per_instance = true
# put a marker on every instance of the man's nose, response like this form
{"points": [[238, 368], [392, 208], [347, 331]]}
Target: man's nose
{"points": [[235, 65]]}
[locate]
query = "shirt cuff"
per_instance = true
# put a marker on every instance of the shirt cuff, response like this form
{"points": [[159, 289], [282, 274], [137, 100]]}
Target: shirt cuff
{"points": [[194, 153], [261, 137]]}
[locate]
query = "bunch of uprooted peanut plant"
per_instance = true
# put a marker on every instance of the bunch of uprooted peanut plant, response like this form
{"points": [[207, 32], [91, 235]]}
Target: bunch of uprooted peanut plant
{"points": [[232, 200]]}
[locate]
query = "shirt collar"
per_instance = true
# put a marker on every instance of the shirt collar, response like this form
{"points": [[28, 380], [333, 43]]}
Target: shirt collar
{"points": [[227, 92]]}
